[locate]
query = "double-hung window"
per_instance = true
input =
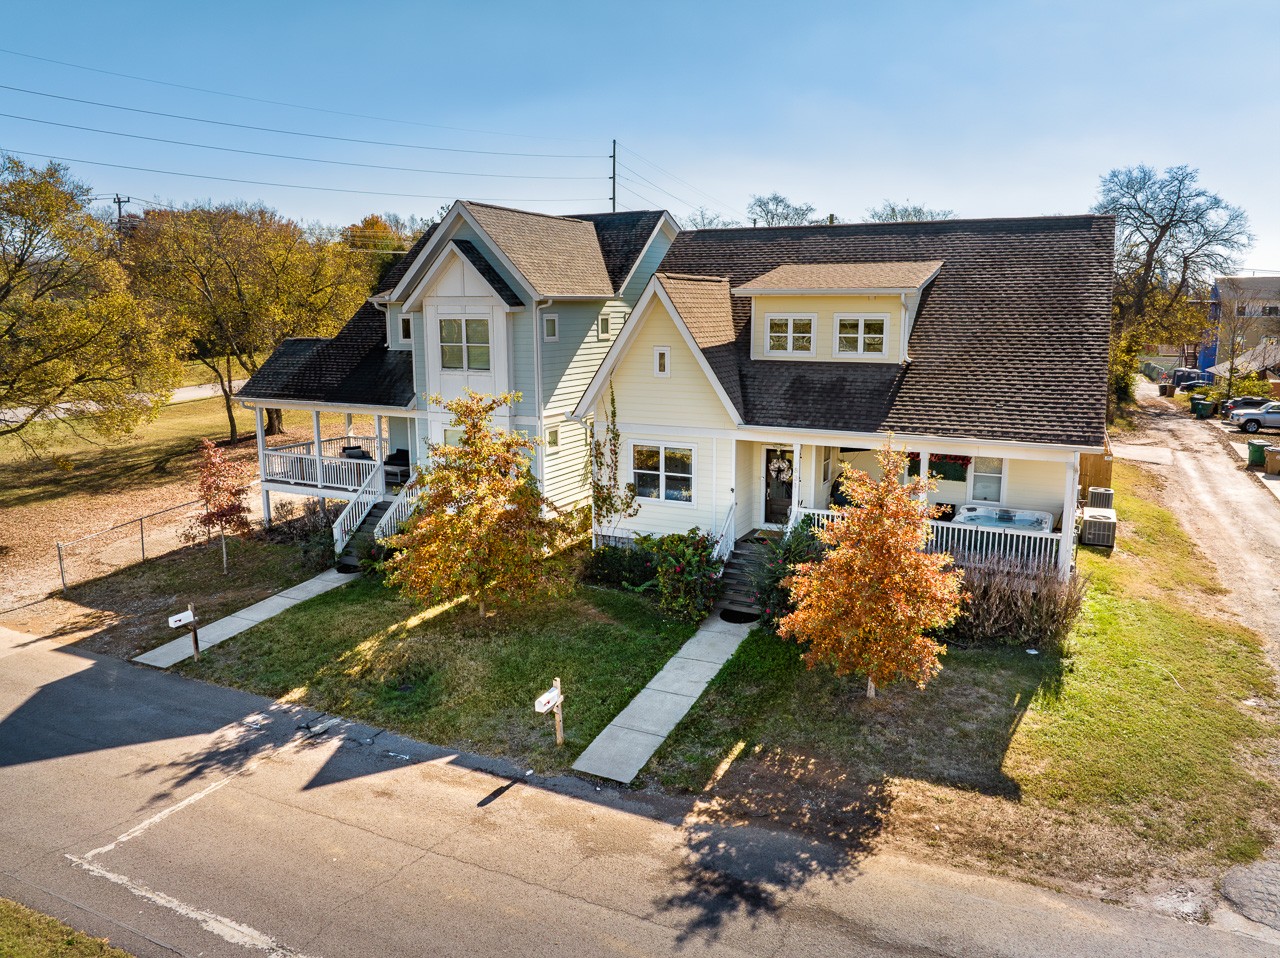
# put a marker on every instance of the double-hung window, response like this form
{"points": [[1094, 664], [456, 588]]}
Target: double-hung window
{"points": [[790, 333], [860, 335], [988, 479], [662, 472], [464, 343]]}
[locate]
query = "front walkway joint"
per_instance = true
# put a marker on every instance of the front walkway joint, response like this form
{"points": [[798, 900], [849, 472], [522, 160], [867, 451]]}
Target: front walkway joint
{"points": [[171, 653], [629, 741]]}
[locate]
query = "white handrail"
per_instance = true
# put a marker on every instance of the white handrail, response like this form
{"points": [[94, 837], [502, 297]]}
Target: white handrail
{"points": [[401, 509], [357, 509], [724, 545], [347, 475]]}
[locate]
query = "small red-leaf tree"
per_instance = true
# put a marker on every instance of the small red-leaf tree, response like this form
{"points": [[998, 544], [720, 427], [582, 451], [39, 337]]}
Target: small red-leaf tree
{"points": [[611, 499], [867, 605], [221, 491], [481, 527]]}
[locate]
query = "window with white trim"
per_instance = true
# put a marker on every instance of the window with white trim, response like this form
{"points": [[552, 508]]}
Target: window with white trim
{"points": [[662, 361], [602, 326], [550, 327], [464, 342], [553, 439], [406, 328], [860, 335], [987, 477], [790, 333], [662, 472], [453, 437]]}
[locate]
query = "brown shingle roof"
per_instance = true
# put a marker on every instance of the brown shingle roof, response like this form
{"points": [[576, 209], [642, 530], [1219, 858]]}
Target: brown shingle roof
{"points": [[703, 303], [841, 276], [558, 255], [1010, 341]]}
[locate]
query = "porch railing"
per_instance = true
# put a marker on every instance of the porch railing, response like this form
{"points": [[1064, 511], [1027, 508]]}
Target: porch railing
{"points": [[302, 469], [400, 509], [968, 544], [366, 497], [724, 545], [332, 448]]}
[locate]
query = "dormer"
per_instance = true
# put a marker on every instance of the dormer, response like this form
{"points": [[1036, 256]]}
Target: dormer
{"points": [[836, 312]]}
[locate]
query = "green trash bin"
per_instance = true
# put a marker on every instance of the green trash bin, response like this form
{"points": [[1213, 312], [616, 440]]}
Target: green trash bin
{"points": [[1258, 452], [1203, 408]]}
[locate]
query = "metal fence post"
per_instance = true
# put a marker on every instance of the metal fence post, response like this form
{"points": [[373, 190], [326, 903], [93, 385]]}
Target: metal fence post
{"points": [[62, 572], [142, 538]]}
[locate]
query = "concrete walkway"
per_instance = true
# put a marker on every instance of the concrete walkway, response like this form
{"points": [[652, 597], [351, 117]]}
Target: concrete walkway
{"points": [[621, 750], [171, 653]]}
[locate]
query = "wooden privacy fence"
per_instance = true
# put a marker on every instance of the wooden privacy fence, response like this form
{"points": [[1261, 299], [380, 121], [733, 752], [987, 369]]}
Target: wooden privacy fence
{"points": [[1095, 469]]}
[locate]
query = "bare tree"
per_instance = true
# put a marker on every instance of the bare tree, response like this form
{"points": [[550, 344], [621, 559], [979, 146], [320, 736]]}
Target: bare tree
{"points": [[703, 219], [776, 210], [908, 212]]}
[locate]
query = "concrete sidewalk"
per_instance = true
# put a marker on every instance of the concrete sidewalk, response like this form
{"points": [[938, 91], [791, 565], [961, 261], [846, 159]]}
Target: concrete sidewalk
{"points": [[621, 750], [171, 653]]}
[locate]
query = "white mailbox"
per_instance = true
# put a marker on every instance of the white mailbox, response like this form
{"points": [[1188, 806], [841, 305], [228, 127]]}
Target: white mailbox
{"points": [[181, 619], [548, 700]]}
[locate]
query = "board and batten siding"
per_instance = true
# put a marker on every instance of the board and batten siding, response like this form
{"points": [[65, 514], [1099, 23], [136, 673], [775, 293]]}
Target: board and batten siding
{"points": [[824, 329]]}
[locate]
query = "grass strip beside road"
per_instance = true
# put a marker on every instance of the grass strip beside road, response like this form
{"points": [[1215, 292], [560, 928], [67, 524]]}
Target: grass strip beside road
{"points": [[28, 934], [1143, 752], [444, 676]]}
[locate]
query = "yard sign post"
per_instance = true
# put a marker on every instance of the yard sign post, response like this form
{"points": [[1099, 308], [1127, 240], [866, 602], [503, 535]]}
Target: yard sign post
{"points": [[552, 700]]}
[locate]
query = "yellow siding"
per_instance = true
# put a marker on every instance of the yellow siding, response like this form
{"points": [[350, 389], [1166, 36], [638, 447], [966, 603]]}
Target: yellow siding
{"points": [[825, 308], [1037, 485], [685, 398], [713, 477]]}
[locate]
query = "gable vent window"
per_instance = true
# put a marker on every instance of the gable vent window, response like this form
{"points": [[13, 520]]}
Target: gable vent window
{"points": [[406, 328], [860, 335], [550, 327], [662, 361], [790, 333], [553, 440], [604, 325], [464, 343]]}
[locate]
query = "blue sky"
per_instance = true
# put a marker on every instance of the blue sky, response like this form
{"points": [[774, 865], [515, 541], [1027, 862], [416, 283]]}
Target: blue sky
{"points": [[989, 109]]}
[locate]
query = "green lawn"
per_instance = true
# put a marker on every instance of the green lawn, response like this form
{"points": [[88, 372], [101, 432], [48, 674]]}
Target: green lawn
{"points": [[28, 934], [1135, 753], [446, 677]]}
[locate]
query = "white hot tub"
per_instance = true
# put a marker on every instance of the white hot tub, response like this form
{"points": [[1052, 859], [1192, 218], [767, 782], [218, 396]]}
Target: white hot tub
{"points": [[998, 517]]}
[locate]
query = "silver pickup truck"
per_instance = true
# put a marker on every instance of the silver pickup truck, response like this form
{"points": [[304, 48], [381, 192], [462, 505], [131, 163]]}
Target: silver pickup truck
{"points": [[1251, 420]]}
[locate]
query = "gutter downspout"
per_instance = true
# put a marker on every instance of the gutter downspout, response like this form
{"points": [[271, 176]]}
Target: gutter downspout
{"points": [[538, 305]]}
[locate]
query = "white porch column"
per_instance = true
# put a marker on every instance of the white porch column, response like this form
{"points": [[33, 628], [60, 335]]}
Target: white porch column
{"points": [[262, 465], [924, 470], [1066, 547], [796, 501], [378, 452], [348, 432], [315, 431]]}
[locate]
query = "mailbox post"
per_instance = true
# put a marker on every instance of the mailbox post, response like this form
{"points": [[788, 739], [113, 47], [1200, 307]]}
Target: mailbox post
{"points": [[189, 620], [552, 700]]}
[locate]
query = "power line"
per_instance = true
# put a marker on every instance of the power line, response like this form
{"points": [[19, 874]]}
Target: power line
{"points": [[623, 181], [286, 156], [313, 136], [295, 186], [295, 106], [724, 207], [678, 199]]}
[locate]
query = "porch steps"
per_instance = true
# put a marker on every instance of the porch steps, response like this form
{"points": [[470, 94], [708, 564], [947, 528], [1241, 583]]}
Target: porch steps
{"points": [[362, 542], [739, 592]]}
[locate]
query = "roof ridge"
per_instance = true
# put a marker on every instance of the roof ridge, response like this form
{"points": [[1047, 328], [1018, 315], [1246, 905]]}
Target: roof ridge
{"points": [[703, 277], [948, 222], [513, 209]]}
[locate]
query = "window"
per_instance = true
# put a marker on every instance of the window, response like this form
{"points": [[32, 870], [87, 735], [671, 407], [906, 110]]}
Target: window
{"points": [[662, 361], [553, 439], [1241, 309], [662, 472], [1271, 310], [988, 479], [602, 328], [550, 327], [464, 343], [406, 327], [860, 335], [826, 464], [790, 333], [453, 437]]}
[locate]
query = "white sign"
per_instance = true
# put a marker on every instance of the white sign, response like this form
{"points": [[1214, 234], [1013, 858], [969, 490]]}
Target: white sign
{"points": [[181, 619], [548, 700]]}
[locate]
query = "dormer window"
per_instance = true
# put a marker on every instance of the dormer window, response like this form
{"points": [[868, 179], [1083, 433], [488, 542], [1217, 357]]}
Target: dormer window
{"points": [[406, 328], [790, 333], [859, 334]]}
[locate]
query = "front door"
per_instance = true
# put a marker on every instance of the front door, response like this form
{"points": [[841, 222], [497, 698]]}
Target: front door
{"points": [[779, 481]]}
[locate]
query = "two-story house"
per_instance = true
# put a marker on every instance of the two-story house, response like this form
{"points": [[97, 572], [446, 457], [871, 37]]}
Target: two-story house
{"points": [[758, 361], [491, 299]]}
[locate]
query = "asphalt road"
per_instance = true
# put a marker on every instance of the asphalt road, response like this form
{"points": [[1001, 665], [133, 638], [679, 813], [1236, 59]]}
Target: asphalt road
{"points": [[180, 818]]}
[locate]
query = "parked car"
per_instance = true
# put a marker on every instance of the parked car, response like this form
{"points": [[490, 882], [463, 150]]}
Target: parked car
{"points": [[1194, 384], [1245, 402], [1251, 420]]}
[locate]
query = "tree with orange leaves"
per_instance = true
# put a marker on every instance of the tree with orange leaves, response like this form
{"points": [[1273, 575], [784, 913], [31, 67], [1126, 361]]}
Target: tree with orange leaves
{"points": [[221, 492], [868, 603], [481, 527]]}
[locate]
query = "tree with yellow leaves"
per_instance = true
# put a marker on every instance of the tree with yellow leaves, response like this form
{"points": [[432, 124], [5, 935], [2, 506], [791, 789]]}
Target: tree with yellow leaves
{"points": [[867, 605], [481, 527]]}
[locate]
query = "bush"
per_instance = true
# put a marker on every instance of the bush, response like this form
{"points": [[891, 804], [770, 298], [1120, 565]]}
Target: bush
{"points": [[1253, 384], [619, 566], [311, 530], [780, 557], [1009, 606], [688, 579]]}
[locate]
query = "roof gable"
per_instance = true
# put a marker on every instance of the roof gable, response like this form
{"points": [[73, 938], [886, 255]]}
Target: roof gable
{"points": [[622, 238], [842, 277], [560, 257]]}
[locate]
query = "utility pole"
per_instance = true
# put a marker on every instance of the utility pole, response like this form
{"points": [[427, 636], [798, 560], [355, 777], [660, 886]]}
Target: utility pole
{"points": [[613, 177], [120, 201]]}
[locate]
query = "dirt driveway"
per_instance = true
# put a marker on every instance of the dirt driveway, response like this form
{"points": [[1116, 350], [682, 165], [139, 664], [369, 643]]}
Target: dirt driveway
{"points": [[1235, 521]]}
